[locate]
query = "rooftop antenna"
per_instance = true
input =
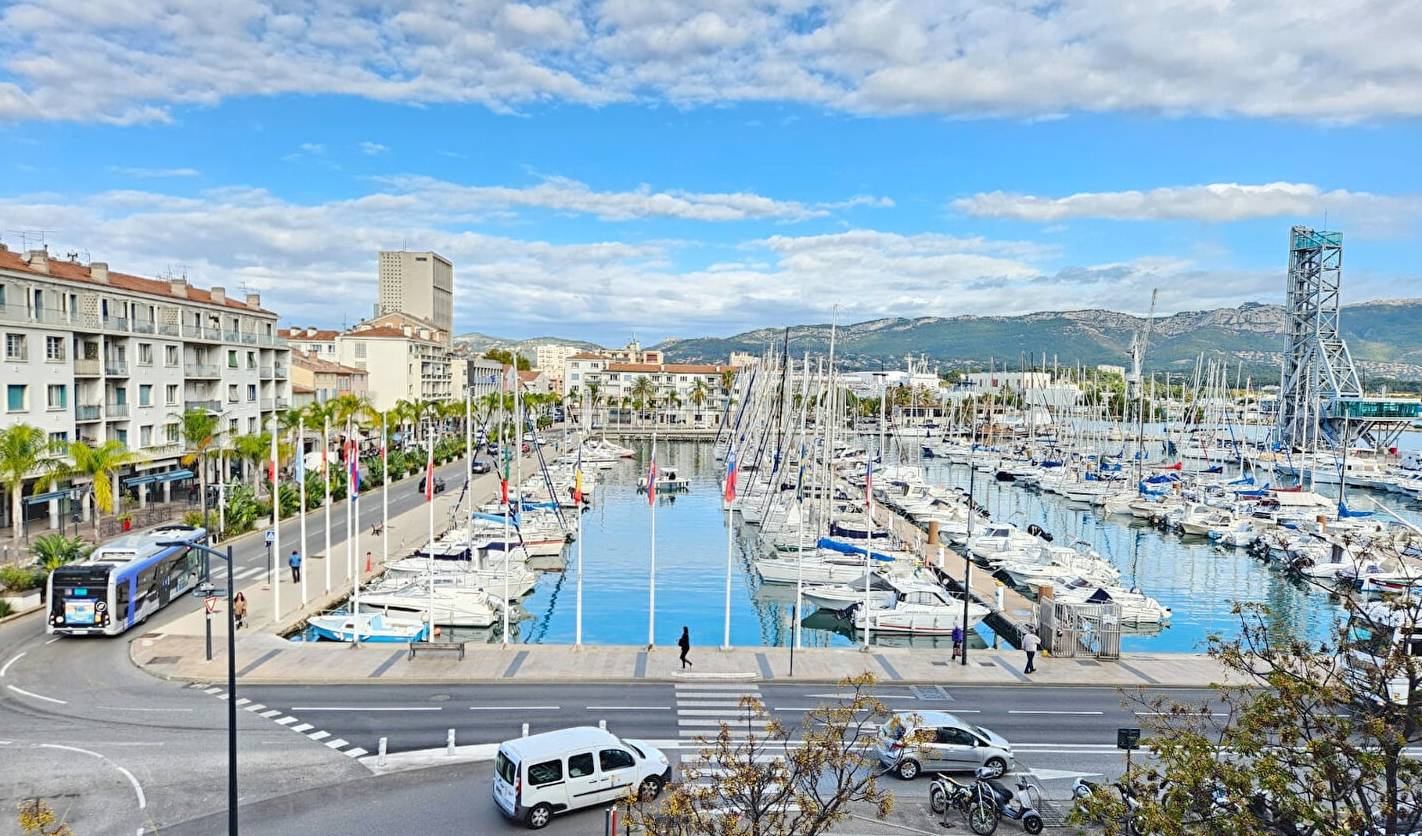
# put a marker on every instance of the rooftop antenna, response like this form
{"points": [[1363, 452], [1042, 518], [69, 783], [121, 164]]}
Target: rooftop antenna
{"points": [[29, 238]]}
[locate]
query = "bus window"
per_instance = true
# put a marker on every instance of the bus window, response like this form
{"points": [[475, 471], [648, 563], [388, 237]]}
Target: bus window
{"points": [[121, 599]]}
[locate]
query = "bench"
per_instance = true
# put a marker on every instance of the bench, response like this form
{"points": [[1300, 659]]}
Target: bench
{"points": [[437, 647]]}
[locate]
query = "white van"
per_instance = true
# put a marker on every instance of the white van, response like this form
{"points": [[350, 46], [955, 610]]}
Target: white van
{"points": [[538, 776]]}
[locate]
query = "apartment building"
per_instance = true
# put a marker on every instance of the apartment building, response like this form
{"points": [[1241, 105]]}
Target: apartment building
{"points": [[551, 359], [419, 284], [405, 358], [97, 355], [584, 366], [315, 341], [325, 379]]}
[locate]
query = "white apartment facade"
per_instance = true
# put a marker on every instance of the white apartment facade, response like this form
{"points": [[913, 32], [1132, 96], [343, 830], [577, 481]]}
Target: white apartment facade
{"points": [[95, 355], [406, 358], [318, 342], [551, 359], [419, 284]]}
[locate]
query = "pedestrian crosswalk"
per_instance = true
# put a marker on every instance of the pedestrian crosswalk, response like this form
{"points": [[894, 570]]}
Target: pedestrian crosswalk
{"points": [[244, 573], [701, 708], [280, 718]]}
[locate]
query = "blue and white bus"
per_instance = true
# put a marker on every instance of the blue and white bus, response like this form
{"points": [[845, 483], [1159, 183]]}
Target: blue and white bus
{"points": [[124, 581]]}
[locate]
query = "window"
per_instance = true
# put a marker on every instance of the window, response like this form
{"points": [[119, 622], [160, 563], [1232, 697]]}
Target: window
{"points": [[120, 395], [170, 395], [252, 424], [2, 295], [15, 348], [548, 772], [232, 426], [145, 354], [145, 435], [170, 433], [251, 359], [54, 348], [232, 393], [251, 391], [57, 396], [580, 766], [956, 737], [360, 351], [122, 436], [170, 355], [331, 349], [610, 759], [231, 359], [145, 394], [15, 397], [61, 437]]}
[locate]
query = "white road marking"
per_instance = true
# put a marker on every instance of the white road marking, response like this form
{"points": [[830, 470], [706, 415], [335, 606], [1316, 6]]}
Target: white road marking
{"points": [[137, 789], [242, 700], [285, 721], [715, 695], [709, 686], [304, 727], [270, 714], [37, 696], [629, 708], [212, 690], [1092, 713], [731, 705], [514, 708], [53, 640], [716, 722], [366, 708], [256, 706], [125, 708], [13, 660], [712, 712], [319, 735], [335, 744], [355, 753]]}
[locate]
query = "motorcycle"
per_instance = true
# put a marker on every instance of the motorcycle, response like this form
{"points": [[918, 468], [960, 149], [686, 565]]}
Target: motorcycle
{"points": [[974, 802], [1021, 805], [1084, 789]]}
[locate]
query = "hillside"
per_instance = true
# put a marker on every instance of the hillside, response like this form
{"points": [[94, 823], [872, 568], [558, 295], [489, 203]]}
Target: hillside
{"points": [[1385, 338], [478, 342]]}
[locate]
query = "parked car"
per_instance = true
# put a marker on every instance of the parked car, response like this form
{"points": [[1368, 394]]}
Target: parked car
{"points": [[936, 741], [438, 484], [539, 776], [480, 466]]}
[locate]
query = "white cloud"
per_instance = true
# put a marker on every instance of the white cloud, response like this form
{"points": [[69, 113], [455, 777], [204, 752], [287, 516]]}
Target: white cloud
{"points": [[151, 173], [315, 263], [315, 149], [1212, 203], [372, 149], [1330, 60], [566, 195]]}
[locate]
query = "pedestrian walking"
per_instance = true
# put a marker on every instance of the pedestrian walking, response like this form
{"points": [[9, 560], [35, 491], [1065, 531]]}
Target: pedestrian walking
{"points": [[239, 610], [295, 563], [957, 641], [1030, 642], [685, 644]]}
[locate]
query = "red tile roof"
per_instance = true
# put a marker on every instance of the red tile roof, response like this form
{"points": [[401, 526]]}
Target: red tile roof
{"points": [[74, 272], [669, 368], [307, 360], [318, 335]]}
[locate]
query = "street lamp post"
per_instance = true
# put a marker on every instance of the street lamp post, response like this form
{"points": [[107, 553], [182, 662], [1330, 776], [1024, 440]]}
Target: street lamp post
{"points": [[231, 680]]}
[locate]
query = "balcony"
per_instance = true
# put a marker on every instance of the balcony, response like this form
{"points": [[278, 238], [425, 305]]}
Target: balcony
{"points": [[192, 331], [88, 367], [200, 370], [168, 329], [232, 336], [115, 323], [283, 403], [144, 326], [268, 404], [205, 406], [86, 412], [116, 368], [281, 372], [116, 411], [266, 372], [249, 338]]}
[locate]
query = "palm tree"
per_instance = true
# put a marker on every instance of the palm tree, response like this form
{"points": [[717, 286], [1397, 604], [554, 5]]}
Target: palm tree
{"points": [[200, 431], [643, 391], [728, 379], [252, 449], [700, 392], [25, 451], [101, 464]]}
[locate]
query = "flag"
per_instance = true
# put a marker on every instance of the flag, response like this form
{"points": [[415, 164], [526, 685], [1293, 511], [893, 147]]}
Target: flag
{"points": [[869, 481], [272, 463], [353, 469], [731, 474], [300, 464], [652, 475], [578, 478], [429, 474], [800, 477]]}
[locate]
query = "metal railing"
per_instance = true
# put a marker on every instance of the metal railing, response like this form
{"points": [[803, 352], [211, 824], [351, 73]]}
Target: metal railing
{"points": [[232, 336], [249, 338], [116, 410], [116, 323], [86, 367], [200, 370], [281, 372], [116, 368], [144, 326], [206, 406], [266, 371], [87, 412], [168, 329]]}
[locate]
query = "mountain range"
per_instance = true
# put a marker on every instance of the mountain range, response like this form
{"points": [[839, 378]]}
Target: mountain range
{"points": [[1384, 337]]}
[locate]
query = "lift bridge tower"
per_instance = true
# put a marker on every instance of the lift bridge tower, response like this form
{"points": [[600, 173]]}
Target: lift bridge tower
{"points": [[1321, 400]]}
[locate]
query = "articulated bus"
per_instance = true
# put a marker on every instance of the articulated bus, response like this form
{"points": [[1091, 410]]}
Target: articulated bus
{"points": [[124, 581]]}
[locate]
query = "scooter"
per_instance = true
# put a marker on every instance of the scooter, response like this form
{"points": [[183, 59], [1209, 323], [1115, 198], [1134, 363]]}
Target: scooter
{"points": [[1021, 806]]}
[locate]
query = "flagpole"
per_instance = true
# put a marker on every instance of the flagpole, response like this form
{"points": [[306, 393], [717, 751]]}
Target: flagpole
{"points": [[504, 486], [352, 487], [276, 530], [578, 509], [326, 477], [652, 576], [730, 498], [384, 494], [301, 478], [429, 500]]}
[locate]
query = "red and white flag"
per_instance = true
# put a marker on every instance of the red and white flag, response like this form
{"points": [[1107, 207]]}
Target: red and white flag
{"points": [[652, 475], [730, 494], [429, 474]]}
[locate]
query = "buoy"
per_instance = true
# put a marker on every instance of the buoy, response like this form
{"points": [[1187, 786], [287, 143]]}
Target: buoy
{"points": [[436, 632]]}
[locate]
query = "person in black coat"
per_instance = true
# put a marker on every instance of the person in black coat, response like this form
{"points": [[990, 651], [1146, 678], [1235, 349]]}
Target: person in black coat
{"points": [[685, 644]]}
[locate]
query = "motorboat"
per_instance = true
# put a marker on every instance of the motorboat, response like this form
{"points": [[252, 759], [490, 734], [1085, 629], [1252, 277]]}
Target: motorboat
{"points": [[453, 606], [922, 609], [489, 576], [367, 627], [812, 567], [840, 596], [668, 481]]}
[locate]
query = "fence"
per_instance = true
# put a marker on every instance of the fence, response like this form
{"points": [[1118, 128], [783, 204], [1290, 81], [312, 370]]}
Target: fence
{"points": [[1069, 630]]}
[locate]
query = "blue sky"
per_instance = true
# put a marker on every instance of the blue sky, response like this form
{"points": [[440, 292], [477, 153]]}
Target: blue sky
{"points": [[598, 169]]}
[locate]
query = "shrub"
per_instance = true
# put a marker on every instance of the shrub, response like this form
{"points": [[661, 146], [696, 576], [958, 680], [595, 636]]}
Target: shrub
{"points": [[21, 579], [55, 550], [5, 608], [194, 519]]}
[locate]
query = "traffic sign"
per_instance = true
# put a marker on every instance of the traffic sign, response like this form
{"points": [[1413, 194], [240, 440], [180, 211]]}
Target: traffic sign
{"points": [[1128, 739], [271, 536], [210, 602]]}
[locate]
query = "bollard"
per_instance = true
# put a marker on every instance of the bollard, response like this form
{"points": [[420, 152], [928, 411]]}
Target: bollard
{"points": [[942, 554], [380, 759], [999, 598], [525, 730], [602, 724], [449, 744], [933, 532]]}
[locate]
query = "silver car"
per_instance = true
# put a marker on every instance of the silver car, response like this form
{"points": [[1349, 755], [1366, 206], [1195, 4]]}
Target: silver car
{"points": [[936, 741]]}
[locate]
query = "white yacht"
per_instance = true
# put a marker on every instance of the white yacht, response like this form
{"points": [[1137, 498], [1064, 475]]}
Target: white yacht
{"points": [[453, 606], [922, 609]]}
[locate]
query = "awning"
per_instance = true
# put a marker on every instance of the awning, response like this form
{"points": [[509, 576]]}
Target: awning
{"points": [[157, 478]]}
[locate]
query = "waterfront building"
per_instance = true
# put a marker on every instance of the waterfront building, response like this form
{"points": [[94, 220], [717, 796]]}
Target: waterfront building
{"points": [[316, 341], [420, 284], [552, 359], [326, 379], [97, 355], [992, 383], [405, 358], [682, 393]]}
